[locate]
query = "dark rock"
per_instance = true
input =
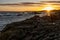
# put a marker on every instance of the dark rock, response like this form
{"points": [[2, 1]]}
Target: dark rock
{"points": [[31, 29]]}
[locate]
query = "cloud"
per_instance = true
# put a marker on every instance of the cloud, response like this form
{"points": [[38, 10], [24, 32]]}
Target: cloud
{"points": [[13, 1]]}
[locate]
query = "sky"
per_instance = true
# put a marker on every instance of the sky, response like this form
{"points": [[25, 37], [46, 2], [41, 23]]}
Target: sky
{"points": [[16, 1], [23, 8]]}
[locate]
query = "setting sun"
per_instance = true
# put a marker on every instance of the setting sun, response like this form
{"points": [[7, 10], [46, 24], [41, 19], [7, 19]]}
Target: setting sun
{"points": [[48, 8]]}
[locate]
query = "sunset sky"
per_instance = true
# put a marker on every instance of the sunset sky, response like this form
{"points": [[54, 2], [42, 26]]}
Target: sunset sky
{"points": [[25, 7], [16, 1]]}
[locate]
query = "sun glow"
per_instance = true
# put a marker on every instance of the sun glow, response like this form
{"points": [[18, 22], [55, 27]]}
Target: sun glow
{"points": [[48, 8]]}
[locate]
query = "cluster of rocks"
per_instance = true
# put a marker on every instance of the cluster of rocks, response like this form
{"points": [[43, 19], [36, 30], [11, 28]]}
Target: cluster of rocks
{"points": [[35, 28]]}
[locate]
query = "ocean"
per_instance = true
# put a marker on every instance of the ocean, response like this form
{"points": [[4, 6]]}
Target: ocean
{"points": [[7, 18]]}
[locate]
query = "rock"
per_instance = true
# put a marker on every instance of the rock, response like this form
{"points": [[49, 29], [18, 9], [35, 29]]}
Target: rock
{"points": [[31, 29]]}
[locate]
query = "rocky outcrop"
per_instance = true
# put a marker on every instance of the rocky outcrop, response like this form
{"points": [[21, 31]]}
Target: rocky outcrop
{"points": [[34, 28]]}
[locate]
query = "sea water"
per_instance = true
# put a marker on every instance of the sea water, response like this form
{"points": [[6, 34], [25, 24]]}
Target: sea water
{"points": [[7, 18]]}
